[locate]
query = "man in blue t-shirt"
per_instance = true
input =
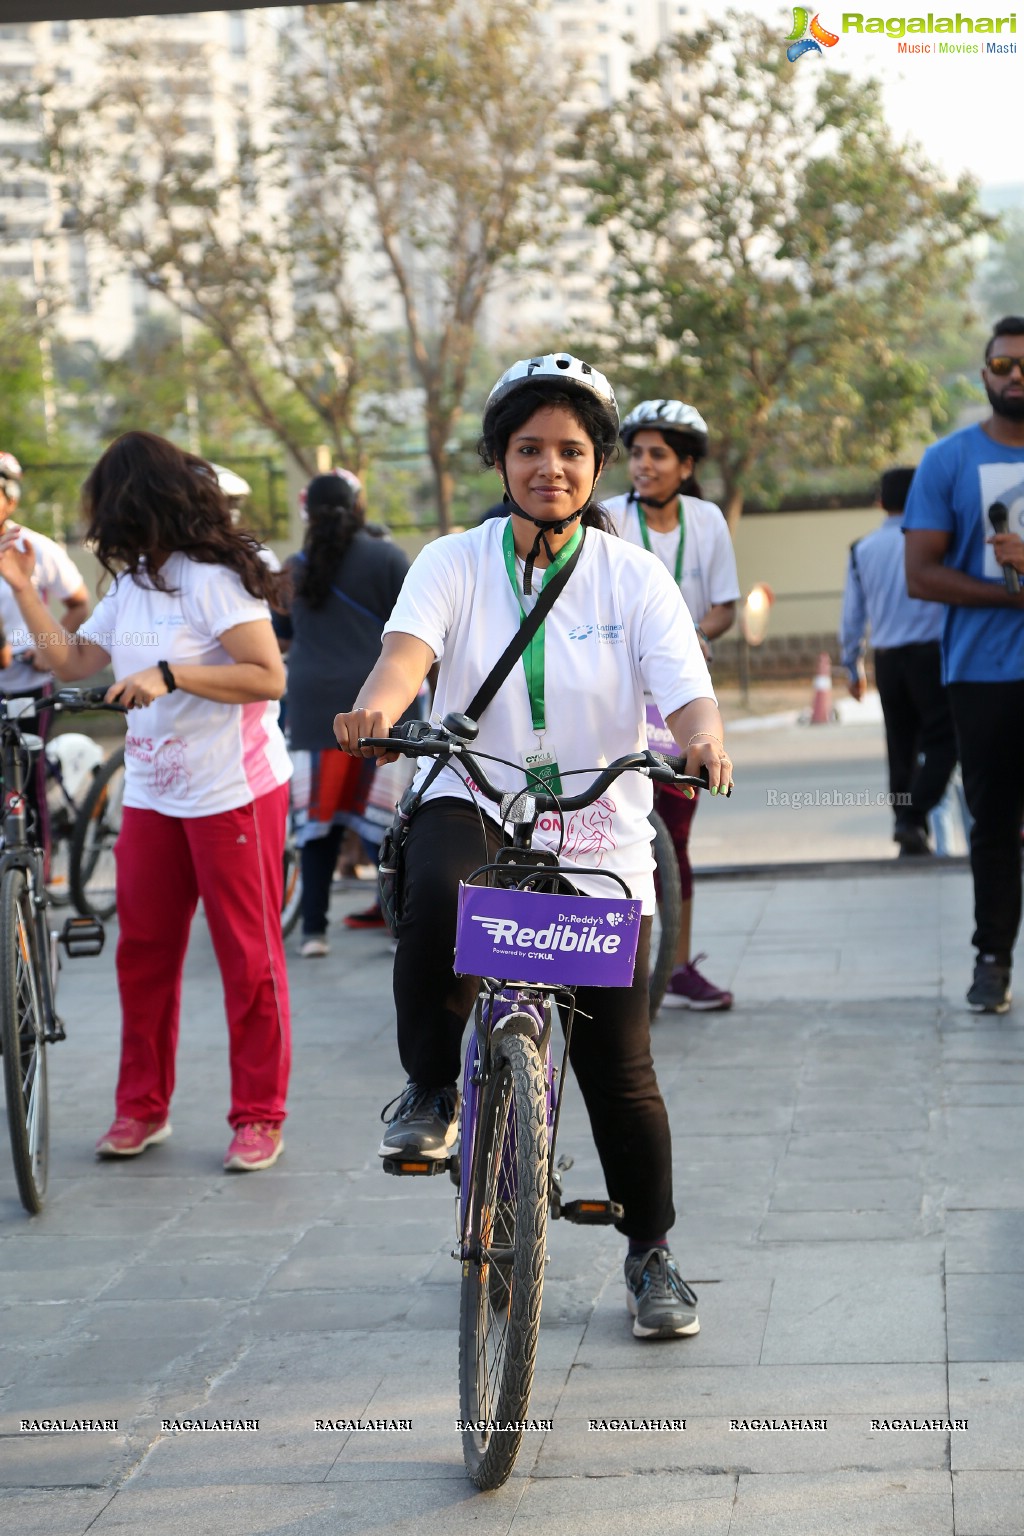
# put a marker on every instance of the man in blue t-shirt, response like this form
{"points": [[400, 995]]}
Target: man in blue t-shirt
{"points": [[950, 559]]}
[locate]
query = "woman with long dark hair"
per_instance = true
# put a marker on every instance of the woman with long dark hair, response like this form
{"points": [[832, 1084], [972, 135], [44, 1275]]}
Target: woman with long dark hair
{"points": [[186, 627], [340, 589]]}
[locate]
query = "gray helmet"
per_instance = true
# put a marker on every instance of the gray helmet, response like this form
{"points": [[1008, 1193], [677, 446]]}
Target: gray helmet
{"points": [[559, 367], [663, 416]]}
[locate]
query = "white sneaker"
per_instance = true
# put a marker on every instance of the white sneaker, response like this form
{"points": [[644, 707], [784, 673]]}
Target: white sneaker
{"points": [[315, 947]]}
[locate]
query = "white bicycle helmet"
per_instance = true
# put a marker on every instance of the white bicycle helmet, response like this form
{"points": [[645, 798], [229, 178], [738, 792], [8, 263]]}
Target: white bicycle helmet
{"points": [[230, 483], [561, 367], [10, 476], [663, 415]]}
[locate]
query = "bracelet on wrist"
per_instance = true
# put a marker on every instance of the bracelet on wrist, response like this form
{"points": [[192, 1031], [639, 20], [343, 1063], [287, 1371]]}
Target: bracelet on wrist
{"points": [[167, 675], [710, 734]]}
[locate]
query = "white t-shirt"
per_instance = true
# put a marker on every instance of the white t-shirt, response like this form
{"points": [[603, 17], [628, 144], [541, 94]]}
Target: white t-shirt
{"points": [[709, 564], [617, 629], [56, 576], [187, 756]]}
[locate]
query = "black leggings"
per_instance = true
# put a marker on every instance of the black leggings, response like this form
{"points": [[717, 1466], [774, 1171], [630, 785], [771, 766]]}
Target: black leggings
{"points": [[610, 1052], [990, 729]]}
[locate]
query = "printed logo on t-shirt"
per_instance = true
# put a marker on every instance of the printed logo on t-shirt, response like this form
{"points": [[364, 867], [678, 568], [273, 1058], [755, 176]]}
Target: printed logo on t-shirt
{"points": [[139, 747], [611, 634], [581, 632], [1000, 482], [170, 776], [589, 833]]}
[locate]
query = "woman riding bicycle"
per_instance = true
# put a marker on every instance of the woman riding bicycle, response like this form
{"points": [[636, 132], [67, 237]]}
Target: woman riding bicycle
{"points": [[665, 513], [618, 628]]}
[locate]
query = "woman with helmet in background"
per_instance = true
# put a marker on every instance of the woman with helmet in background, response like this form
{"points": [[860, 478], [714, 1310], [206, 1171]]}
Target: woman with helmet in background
{"points": [[619, 626], [340, 589], [666, 514]]}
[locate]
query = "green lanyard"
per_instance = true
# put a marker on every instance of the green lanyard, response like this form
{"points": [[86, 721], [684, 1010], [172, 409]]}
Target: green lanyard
{"points": [[533, 656], [682, 537]]}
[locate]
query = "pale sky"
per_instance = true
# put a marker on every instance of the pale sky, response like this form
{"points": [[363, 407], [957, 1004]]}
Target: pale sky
{"points": [[964, 110]]}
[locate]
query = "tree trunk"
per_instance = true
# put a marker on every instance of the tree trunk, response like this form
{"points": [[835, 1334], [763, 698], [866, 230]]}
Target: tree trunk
{"points": [[733, 508], [437, 437]]}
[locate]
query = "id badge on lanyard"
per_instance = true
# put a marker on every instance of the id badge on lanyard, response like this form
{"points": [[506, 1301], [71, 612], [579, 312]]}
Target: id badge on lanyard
{"points": [[543, 767], [543, 773]]}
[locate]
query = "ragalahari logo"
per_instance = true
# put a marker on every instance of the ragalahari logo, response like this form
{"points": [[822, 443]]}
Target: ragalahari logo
{"points": [[807, 36]]}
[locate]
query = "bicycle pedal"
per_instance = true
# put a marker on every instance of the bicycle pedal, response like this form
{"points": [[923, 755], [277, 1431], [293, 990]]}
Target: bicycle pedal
{"points": [[415, 1167], [592, 1213], [82, 936]]}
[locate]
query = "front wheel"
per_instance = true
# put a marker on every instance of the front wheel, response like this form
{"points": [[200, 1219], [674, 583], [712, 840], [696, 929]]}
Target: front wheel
{"points": [[668, 913], [23, 1039], [291, 891], [503, 1261], [93, 885]]}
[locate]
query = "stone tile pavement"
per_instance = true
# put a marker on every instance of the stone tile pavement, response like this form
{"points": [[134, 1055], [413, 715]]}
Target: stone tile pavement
{"points": [[851, 1213]]}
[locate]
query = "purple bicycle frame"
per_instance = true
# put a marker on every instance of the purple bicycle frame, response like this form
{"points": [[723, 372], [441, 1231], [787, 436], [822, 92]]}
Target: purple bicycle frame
{"points": [[502, 1005]]}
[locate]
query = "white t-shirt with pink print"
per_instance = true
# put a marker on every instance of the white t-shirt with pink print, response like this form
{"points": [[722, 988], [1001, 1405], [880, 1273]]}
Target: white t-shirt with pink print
{"points": [[187, 756]]}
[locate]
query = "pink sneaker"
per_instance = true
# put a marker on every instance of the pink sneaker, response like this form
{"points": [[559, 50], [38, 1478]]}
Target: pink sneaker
{"points": [[254, 1146], [128, 1137], [689, 989]]}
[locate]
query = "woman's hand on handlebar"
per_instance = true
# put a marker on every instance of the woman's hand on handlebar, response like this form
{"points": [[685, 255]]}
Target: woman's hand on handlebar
{"points": [[349, 727], [710, 754], [138, 689]]}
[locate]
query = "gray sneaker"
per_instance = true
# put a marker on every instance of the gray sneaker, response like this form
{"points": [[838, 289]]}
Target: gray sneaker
{"points": [[661, 1303], [990, 989], [425, 1123]]}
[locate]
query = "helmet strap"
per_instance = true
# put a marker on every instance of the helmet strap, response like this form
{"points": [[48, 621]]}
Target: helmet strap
{"points": [[652, 501], [543, 528]]}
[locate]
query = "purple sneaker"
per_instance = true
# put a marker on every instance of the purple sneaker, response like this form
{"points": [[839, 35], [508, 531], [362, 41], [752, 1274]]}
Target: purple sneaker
{"points": [[689, 989]]}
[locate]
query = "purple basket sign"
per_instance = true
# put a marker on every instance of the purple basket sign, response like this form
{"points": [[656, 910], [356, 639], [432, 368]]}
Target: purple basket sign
{"points": [[556, 940], [659, 737]]}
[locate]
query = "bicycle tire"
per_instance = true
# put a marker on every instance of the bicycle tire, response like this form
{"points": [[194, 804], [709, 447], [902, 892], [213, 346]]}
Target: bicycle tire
{"points": [[23, 1041], [669, 916], [291, 889], [92, 842], [499, 1312]]}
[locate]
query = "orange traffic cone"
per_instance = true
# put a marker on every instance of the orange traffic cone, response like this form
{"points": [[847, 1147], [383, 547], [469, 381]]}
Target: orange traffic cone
{"points": [[821, 700]]}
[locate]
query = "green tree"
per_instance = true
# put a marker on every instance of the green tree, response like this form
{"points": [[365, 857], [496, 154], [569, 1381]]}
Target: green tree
{"points": [[215, 231], [22, 412], [776, 258], [438, 112], [1000, 288]]}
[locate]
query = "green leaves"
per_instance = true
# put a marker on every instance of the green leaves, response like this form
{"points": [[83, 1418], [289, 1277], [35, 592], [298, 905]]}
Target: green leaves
{"points": [[793, 243]]}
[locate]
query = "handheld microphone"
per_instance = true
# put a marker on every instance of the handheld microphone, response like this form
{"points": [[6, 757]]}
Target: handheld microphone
{"points": [[999, 517]]}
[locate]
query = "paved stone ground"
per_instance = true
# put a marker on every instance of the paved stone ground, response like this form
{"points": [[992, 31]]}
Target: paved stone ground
{"points": [[851, 1214]]}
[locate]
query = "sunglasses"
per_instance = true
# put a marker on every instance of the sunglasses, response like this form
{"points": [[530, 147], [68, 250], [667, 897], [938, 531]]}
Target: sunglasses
{"points": [[1002, 367]]}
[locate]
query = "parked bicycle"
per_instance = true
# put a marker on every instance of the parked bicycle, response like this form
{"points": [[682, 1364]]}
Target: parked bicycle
{"points": [[91, 866], [29, 958], [526, 930]]}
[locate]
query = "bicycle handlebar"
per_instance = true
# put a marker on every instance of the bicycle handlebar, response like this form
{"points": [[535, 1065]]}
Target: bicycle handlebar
{"points": [[74, 699], [418, 738]]}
